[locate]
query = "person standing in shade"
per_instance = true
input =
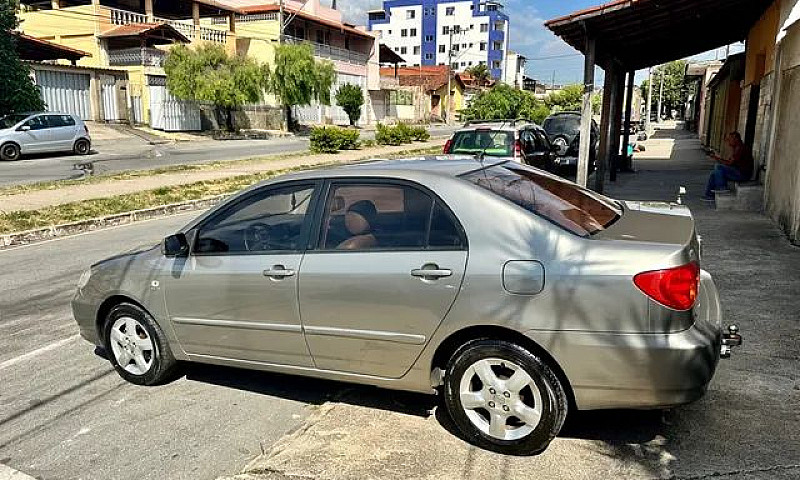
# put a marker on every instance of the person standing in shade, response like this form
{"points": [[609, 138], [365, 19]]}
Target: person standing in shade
{"points": [[738, 167]]}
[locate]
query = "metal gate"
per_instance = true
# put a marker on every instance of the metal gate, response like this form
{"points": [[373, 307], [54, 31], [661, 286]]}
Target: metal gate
{"points": [[108, 94], [169, 113], [65, 92]]}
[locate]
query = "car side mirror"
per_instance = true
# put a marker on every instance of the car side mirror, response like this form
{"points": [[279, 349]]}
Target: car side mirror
{"points": [[175, 245], [24, 128]]}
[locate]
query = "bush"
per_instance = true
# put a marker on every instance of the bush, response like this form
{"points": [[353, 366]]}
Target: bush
{"points": [[368, 143], [400, 134], [420, 133], [333, 139], [348, 139]]}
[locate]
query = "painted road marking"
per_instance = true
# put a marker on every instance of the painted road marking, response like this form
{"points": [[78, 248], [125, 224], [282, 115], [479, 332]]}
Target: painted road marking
{"points": [[8, 473], [35, 353]]}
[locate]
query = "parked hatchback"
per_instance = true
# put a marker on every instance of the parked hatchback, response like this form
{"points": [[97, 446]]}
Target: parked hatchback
{"points": [[25, 133], [518, 140], [564, 131]]}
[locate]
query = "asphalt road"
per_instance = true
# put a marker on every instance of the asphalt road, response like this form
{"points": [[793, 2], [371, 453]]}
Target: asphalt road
{"points": [[64, 412], [133, 153]]}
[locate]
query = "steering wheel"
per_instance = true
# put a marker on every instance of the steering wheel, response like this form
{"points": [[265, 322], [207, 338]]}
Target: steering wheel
{"points": [[256, 237]]}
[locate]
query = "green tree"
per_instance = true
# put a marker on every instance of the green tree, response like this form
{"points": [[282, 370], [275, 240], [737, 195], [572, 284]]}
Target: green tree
{"points": [[505, 102], [480, 73], [298, 79], [208, 73], [19, 93], [350, 97], [568, 99], [674, 96]]}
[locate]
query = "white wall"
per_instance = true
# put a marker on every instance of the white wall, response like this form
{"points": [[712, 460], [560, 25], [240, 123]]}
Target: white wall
{"points": [[397, 23], [470, 35]]}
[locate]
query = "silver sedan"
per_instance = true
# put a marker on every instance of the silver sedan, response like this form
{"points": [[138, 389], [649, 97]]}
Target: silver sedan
{"points": [[515, 294]]}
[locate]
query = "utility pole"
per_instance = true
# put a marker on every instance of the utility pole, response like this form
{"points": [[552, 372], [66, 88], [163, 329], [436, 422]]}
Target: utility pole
{"points": [[449, 77], [649, 102], [282, 26], [660, 96]]}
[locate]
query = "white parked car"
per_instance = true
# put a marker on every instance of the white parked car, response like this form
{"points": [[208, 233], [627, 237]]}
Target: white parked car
{"points": [[24, 133]]}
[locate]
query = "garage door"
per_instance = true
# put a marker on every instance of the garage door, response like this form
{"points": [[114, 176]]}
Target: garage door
{"points": [[65, 92], [169, 113]]}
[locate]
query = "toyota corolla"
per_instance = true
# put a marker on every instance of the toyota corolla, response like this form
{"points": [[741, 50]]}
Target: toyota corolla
{"points": [[514, 294]]}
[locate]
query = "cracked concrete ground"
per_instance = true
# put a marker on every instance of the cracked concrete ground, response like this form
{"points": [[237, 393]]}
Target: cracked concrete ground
{"points": [[744, 428]]}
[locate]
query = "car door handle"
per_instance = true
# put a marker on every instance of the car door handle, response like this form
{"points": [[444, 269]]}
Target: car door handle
{"points": [[279, 271], [431, 273]]}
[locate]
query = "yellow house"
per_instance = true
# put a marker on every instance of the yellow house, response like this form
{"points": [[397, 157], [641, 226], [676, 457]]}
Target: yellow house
{"points": [[123, 78]]}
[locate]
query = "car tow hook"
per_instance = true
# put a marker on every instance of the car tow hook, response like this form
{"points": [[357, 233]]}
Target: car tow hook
{"points": [[730, 340]]}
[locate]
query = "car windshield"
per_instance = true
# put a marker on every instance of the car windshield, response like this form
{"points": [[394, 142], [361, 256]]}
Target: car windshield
{"points": [[8, 121], [562, 125], [494, 143], [564, 203]]}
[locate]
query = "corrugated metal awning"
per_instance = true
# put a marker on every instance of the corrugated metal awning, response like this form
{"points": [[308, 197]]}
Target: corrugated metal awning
{"points": [[642, 33]]}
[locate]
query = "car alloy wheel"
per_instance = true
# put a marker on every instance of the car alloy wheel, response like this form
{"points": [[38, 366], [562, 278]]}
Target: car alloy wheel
{"points": [[82, 147], [504, 398], [9, 152], [500, 399], [139, 349], [562, 144], [132, 346]]}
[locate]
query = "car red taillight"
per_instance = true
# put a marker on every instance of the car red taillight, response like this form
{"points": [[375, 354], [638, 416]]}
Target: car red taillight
{"points": [[517, 149], [675, 288], [447, 146]]}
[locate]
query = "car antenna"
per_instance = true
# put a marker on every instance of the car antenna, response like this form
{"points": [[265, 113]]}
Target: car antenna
{"points": [[481, 157]]}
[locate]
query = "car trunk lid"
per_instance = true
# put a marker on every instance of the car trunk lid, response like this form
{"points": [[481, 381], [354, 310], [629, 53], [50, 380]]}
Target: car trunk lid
{"points": [[652, 222]]}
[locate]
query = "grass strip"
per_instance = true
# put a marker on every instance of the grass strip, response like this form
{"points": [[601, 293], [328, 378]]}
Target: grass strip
{"points": [[18, 221]]}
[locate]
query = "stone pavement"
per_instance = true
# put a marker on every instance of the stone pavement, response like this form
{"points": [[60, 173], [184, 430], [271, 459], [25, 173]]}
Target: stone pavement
{"points": [[744, 428]]}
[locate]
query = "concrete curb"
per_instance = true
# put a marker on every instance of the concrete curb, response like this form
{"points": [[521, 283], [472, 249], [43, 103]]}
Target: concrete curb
{"points": [[37, 235]]}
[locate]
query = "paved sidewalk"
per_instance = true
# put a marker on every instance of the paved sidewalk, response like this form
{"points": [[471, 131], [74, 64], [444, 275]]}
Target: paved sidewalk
{"points": [[744, 428], [75, 193]]}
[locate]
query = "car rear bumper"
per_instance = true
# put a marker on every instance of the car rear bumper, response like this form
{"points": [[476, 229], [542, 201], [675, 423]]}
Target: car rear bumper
{"points": [[636, 370]]}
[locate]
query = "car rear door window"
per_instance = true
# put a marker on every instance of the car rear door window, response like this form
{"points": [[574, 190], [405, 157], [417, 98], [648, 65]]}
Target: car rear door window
{"points": [[274, 220], [563, 203], [386, 217]]}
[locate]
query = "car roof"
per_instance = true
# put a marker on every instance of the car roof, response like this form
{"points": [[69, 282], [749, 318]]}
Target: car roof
{"points": [[441, 165], [498, 126]]}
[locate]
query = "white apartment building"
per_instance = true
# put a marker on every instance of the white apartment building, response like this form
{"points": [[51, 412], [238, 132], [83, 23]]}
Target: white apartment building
{"points": [[462, 33]]}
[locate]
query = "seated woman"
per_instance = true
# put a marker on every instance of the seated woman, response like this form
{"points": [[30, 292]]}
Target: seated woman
{"points": [[738, 167], [359, 222]]}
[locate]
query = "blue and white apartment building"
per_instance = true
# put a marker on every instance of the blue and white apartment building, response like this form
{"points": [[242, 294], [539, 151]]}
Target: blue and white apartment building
{"points": [[440, 32]]}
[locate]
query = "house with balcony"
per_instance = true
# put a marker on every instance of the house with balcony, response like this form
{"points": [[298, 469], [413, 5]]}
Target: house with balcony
{"points": [[352, 50], [121, 79]]}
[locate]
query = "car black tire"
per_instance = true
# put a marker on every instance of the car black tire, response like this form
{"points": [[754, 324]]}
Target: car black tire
{"points": [[9, 152], [163, 366], [554, 403], [82, 147]]}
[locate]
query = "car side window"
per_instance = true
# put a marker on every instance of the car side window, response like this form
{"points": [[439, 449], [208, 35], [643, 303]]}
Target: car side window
{"points": [[54, 121], [385, 217], [273, 220], [445, 233], [37, 123]]}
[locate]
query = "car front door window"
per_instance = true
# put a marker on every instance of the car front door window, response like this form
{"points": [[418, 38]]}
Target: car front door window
{"points": [[236, 296]]}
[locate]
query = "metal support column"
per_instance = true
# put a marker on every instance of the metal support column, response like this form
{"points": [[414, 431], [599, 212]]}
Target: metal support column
{"points": [[616, 122], [628, 166], [584, 154], [605, 129]]}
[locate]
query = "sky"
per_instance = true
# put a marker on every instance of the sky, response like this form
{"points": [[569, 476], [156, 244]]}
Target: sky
{"points": [[548, 56]]}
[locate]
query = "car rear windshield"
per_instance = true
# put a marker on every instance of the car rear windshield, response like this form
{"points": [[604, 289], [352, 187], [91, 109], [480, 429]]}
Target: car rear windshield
{"points": [[9, 121], [562, 125], [495, 143], [569, 206]]}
